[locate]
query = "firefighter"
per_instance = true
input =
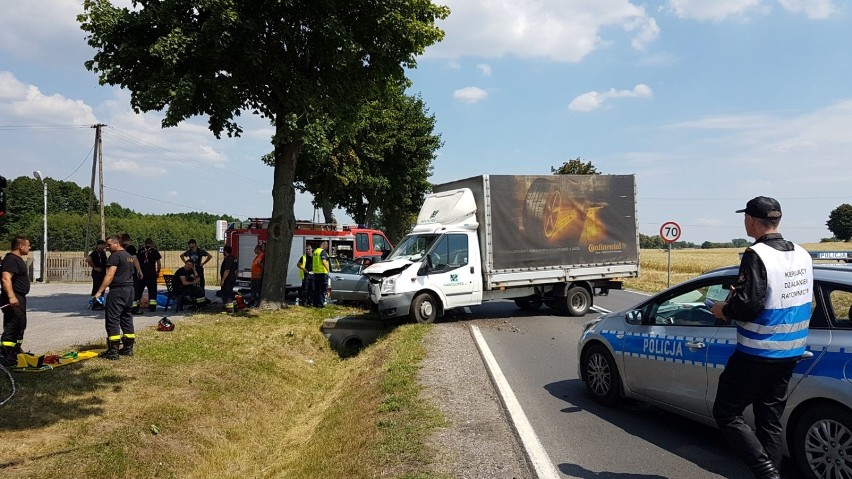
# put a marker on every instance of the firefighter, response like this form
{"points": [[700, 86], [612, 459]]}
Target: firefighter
{"points": [[127, 244], [228, 273], [119, 320], [13, 299], [149, 262]]}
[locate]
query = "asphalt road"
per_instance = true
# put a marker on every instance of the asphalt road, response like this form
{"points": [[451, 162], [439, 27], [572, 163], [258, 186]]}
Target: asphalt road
{"points": [[537, 353]]}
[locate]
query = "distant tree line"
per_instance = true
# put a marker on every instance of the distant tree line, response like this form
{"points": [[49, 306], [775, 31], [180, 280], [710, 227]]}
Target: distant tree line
{"points": [[67, 218], [656, 242]]}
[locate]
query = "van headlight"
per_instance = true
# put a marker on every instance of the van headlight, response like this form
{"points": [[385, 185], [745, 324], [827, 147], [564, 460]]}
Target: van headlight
{"points": [[388, 285]]}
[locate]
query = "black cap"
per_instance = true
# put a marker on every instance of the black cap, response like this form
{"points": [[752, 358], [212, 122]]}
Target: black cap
{"points": [[762, 207], [100, 242]]}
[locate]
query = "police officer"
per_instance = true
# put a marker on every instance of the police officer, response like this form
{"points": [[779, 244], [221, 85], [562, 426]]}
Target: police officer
{"points": [[119, 320], [15, 281], [148, 259], [771, 306], [306, 266], [320, 271]]}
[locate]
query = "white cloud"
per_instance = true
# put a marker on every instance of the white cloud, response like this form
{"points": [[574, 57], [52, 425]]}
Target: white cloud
{"points": [[26, 104], [46, 31], [719, 10], [485, 69], [551, 29], [593, 100], [470, 94], [813, 9], [715, 10]]}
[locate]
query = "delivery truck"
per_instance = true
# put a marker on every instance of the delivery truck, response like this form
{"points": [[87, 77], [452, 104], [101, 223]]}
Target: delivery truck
{"points": [[539, 240]]}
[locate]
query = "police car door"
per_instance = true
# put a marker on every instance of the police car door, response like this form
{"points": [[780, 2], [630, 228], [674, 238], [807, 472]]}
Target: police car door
{"points": [[665, 356]]}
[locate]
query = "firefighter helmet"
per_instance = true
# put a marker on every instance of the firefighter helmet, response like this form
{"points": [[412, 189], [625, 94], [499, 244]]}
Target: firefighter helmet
{"points": [[165, 325]]}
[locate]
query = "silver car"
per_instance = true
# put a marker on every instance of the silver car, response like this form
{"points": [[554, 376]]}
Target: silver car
{"points": [[348, 283], [669, 351]]}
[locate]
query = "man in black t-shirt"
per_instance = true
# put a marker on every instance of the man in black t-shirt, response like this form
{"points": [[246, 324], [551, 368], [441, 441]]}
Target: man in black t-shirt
{"points": [[15, 282], [148, 259], [119, 320], [187, 284], [199, 257], [228, 273], [97, 261]]}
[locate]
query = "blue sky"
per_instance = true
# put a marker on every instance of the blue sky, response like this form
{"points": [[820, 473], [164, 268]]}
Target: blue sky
{"points": [[709, 103]]}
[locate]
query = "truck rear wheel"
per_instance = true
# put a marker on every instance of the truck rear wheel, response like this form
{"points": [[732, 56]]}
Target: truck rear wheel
{"points": [[424, 309], [578, 301]]}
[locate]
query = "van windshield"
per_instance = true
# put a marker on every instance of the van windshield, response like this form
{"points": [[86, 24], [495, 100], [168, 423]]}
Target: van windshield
{"points": [[413, 247]]}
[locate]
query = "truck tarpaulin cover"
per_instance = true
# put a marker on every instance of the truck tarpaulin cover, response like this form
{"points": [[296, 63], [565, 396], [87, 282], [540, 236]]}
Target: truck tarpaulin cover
{"points": [[562, 220]]}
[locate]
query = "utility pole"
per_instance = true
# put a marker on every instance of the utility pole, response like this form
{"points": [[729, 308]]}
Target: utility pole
{"points": [[97, 166], [99, 148]]}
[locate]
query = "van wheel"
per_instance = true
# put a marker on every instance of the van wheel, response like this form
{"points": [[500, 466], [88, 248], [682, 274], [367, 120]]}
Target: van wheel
{"points": [[578, 301], [821, 442], [541, 210], [528, 304], [601, 375], [424, 309]]}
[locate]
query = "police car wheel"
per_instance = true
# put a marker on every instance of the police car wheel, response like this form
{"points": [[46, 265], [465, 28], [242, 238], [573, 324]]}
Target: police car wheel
{"points": [[578, 301], [424, 309], [821, 442], [601, 375]]}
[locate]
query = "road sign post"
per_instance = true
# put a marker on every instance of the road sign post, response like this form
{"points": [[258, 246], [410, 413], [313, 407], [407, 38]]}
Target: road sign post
{"points": [[670, 232]]}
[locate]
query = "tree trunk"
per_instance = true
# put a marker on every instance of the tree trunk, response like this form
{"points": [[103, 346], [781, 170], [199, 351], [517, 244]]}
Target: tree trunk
{"points": [[280, 233], [327, 211]]}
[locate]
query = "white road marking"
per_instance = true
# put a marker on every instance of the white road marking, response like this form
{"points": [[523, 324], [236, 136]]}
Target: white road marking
{"points": [[542, 465]]}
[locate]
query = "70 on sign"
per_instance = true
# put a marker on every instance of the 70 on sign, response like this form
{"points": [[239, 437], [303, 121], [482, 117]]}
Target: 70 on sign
{"points": [[670, 232]]}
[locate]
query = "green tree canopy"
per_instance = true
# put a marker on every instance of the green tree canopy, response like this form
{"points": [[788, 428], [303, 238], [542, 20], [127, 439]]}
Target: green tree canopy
{"points": [[575, 167], [379, 163], [840, 222], [291, 62]]}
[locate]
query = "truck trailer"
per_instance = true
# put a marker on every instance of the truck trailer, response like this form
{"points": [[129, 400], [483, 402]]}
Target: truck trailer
{"points": [[539, 240]]}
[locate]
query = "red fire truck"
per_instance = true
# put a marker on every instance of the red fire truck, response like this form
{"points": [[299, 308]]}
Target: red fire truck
{"points": [[344, 243]]}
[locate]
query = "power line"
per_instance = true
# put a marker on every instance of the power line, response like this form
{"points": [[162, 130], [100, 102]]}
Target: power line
{"points": [[81, 163], [41, 127], [163, 151], [191, 208]]}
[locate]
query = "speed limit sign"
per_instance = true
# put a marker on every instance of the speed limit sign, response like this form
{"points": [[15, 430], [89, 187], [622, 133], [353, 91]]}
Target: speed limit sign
{"points": [[670, 231]]}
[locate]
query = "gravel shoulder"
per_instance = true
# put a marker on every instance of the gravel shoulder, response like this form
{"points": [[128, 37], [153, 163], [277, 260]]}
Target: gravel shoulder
{"points": [[479, 442]]}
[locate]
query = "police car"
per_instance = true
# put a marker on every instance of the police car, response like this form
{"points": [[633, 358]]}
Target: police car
{"points": [[669, 351]]}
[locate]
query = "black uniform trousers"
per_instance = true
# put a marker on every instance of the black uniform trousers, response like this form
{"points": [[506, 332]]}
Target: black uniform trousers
{"points": [[119, 319], [149, 280], [14, 320], [97, 279], [751, 380], [320, 285], [307, 291]]}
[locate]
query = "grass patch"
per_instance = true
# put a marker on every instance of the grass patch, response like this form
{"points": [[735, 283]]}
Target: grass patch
{"points": [[260, 395]]}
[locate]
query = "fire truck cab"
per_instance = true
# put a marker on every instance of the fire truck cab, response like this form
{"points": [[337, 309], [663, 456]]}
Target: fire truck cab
{"points": [[344, 243]]}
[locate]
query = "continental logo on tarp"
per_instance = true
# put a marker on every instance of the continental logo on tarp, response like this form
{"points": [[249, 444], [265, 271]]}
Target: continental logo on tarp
{"points": [[604, 247]]}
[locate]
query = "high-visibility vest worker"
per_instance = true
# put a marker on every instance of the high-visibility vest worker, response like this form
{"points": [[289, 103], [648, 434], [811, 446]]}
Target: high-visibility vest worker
{"points": [[319, 267]]}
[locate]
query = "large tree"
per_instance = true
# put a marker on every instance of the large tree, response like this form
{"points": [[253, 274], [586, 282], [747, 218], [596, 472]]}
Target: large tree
{"points": [[290, 61], [840, 222], [575, 167], [379, 163]]}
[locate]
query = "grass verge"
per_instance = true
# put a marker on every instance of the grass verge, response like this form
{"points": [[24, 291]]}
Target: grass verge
{"points": [[260, 395]]}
